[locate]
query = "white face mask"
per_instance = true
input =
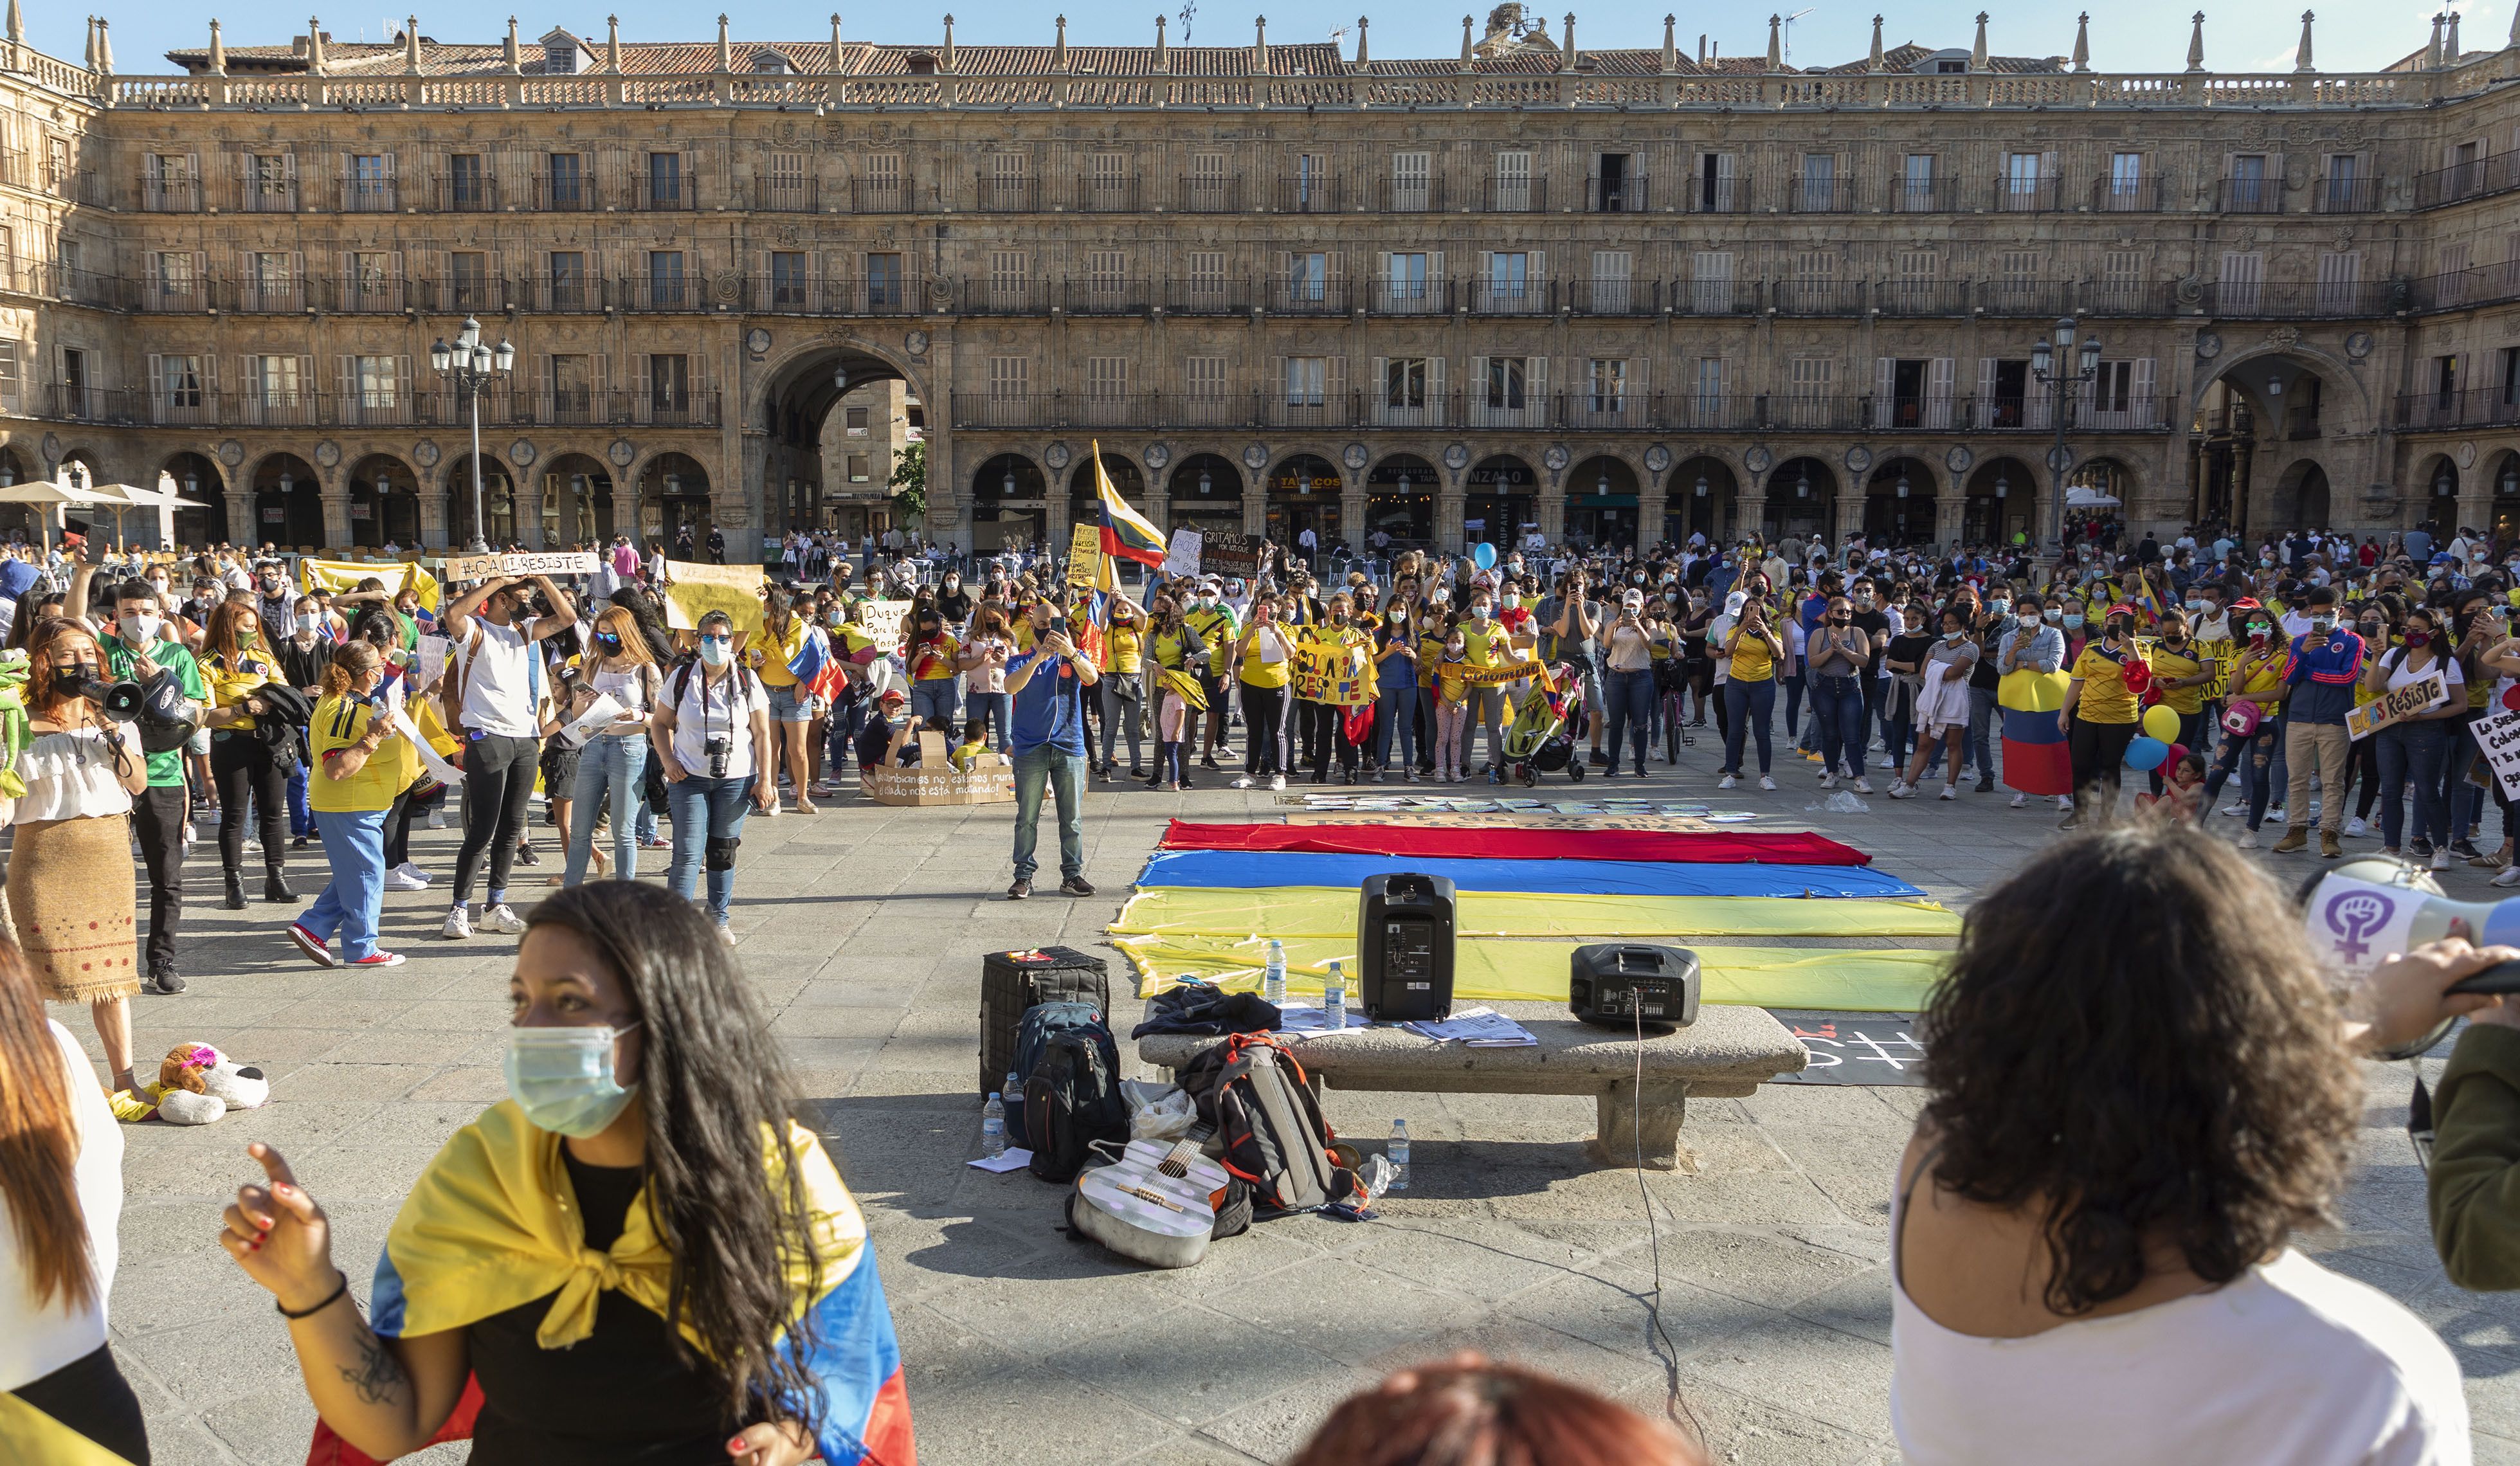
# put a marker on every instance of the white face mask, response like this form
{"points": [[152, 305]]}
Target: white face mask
{"points": [[140, 629]]}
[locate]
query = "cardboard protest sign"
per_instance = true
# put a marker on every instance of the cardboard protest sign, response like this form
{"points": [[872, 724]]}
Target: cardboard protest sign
{"points": [[483, 566], [882, 621], [1229, 554], [693, 591], [2423, 694], [1084, 556], [2500, 737], [934, 781], [1182, 558]]}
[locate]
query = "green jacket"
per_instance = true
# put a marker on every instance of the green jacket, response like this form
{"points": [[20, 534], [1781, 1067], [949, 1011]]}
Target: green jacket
{"points": [[2475, 1181]]}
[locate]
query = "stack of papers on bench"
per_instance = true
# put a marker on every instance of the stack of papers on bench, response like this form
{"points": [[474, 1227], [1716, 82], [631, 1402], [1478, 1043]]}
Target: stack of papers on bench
{"points": [[1476, 1028], [1311, 1019]]}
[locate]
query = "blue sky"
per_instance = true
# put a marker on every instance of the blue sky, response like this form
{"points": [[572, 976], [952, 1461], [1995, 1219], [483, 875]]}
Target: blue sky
{"points": [[2140, 36]]}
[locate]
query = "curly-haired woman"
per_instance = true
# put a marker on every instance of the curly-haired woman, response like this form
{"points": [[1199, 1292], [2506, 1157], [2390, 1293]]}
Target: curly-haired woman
{"points": [[2139, 1087]]}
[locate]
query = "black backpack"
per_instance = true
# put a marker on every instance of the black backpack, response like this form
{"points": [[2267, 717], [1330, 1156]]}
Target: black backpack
{"points": [[1070, 1068]]}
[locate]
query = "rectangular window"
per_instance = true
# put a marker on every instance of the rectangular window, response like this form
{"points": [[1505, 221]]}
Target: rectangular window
{"points": [[2340, 280], [1710, 283], [1312, 182], [788, 187], [2244, 274], [664, 180], [176, 285], [369, 286], [1404, 283], [572, 386], [883, 281], [1819, 182], [1210, 191], [1010, 377], [1513, 182], [1010, 278], [1305, 377], [880, 189], [670, 386], [1509, 377], [1710, 389], [569, 282], [467, 186], [564, 181], [468, 279], [1308, 277], [2444, 382], [2021, 177], [1106, 277], [1410, 172], [1108, 182], [1610, 383], [179, 382], [1811, 378], [2113, 389], [1920, 271], [1404, 382], [368, 187], [2249, 186], [856, 424], [1917, 182], [271, 183], [274, 381], [375, 384], [12, 381], [1106, 378], [275, 280], [788, 284], [2343, 187], [1006, 186], [1207, 279], [1613, 272], [1510, 282], [1205, 377], [861, 468]]}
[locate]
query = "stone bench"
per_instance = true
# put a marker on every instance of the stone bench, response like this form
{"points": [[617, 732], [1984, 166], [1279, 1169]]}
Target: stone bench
{"points": [[1726, 1054]]}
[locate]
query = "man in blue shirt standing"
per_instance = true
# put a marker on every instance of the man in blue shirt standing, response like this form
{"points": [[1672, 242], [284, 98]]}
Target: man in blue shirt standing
{"points": [[1048, 686], [2327, 662]]}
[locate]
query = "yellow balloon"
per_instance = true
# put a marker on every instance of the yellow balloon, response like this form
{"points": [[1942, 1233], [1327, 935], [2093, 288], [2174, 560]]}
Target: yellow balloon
{"points": [[2161, 721]]}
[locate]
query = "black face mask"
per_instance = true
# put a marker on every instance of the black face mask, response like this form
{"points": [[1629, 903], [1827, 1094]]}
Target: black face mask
{"points": [[608, 640], [70, 678]]}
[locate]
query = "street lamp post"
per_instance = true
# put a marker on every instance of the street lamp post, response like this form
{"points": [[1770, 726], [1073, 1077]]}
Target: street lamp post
{"points": [[2052, 363], [473, 366]]}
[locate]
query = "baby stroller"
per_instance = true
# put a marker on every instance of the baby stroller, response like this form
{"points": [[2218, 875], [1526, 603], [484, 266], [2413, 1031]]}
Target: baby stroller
{"points": [[1546, 728]]}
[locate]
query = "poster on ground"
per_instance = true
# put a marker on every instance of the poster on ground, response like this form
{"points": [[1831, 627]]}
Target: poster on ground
{"points": [[2423, 695], [693, 590], [1181, 556]]}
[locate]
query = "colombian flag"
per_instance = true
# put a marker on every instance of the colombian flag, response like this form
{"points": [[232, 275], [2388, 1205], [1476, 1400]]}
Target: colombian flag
{"points": [[1125, 532], [2035, 759], [815, 669], [486, 1229]]}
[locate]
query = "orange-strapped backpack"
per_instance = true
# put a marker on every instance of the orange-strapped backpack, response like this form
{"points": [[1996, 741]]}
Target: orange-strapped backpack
{"points": [[1269, 1128]]}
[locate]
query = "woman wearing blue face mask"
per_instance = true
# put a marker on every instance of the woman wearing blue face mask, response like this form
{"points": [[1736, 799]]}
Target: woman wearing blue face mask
{"points": [[615, 760], [639, 1255], [711, 735]]}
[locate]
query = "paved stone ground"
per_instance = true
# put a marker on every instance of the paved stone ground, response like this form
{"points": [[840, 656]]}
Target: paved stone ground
{"points": [[863, 930]]}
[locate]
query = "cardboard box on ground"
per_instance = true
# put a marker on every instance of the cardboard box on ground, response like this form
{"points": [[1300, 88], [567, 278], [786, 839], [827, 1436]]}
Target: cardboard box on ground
{"points": [[992, 779]]}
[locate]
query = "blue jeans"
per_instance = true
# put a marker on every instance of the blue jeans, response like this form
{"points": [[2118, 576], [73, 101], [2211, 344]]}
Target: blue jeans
{"points": [[1794, 703], [1837, 709], [1631, 699], [614, 765], [302, 818], [1395, 717], [706, 809], [937, 699], [1974, 742], [996, 708], [2416, 751], [1064, 773], [355, 844], [1747, 705]]}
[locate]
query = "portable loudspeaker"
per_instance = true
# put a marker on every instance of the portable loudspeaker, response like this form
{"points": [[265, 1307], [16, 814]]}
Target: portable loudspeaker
{"points": [[1404, 946], [1627, 985]]}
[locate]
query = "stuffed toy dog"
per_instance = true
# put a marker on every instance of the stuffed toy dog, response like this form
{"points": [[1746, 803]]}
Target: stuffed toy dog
{"points": [[196, 1085]]}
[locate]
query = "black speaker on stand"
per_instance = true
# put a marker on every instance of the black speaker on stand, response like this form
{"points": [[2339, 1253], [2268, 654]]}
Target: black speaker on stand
{"points": [[1404, 946]]}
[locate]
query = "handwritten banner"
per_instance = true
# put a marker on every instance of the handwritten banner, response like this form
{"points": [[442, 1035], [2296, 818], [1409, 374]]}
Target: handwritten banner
{"points": [[483, 566], [2500, 738], [1496, 677], [343, 575], [693, 591], [1181, 556], [1084, 556], [2421, 696], [882, 621], [1229, 554]]}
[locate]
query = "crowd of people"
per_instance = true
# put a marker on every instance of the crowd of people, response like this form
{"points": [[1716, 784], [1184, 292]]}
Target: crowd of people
{"points": [[2127, 1122]]}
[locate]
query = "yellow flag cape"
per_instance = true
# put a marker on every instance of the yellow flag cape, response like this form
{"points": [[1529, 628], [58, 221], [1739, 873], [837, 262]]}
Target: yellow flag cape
{"points": [[492, 1223], [343, 575]]}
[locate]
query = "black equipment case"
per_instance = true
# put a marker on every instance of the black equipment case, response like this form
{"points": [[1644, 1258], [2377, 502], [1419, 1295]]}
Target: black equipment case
{"points": [[1403, 944], [1623, 984], [1012, 981]]}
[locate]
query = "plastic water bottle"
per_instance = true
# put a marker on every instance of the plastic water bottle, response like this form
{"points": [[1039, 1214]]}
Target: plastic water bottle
{"points": [[1273, 977], [993, 1126], [1334, 1000], [1013, 1091], [1398, 1153]]}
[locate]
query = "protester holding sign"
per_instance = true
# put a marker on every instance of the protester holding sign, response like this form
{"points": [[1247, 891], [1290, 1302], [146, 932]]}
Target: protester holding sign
{"points": [[2416, 743], [1264, 662]]}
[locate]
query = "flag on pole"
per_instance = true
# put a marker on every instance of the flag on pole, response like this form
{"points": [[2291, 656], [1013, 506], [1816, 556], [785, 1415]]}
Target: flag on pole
{"points": [[1125, 531]]}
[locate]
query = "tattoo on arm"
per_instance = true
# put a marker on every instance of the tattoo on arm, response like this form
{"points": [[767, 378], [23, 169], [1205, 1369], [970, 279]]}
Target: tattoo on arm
{"points": [[377, 1377]]}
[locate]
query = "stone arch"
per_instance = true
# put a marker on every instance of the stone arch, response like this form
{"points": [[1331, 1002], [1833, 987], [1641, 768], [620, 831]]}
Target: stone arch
{"points": [[578, 498], [2339, 386], [1500, 494], [1009, 497], [1998, 498], [1400, 500], [2301, 498], [384, 502], [798, 391], [1712, 512], [200, 479], [498, 523], [1601, 502], [675, 486], [2437, 485], [1204, 492], [1800, 489], [1901, 496], [287, 498], [2502, 479], [1303, 491]]}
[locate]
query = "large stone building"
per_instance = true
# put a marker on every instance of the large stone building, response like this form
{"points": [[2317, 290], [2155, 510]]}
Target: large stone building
{"points": [[1605, 293]]}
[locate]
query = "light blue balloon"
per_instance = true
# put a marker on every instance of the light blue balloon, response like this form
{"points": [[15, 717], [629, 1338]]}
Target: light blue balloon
{"points": [[1483, 556], [2145, 753]]}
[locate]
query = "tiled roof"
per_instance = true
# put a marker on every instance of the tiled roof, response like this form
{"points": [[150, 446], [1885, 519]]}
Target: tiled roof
{"points": [[1901, 58]]}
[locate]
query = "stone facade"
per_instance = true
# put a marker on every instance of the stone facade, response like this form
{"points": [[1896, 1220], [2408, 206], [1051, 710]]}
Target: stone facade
{"points": [[1281, 287]]}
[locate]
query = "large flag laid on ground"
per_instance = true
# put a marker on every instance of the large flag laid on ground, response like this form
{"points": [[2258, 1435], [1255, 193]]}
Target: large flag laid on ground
{"points": [[1125, 532], [486, 1229], [2035, 757]]}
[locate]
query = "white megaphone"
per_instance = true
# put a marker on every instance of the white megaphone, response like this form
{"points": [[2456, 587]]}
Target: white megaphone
{"points": [[2370, 908]]}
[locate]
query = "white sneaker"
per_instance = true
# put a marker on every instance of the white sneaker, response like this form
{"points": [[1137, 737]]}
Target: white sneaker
{"points": [[1767, 784], [409, 872], [1409, 776], [499, 918], [1242, 782], [2356, 829], [725, 934], [1950, 791], [1902, 790], [1727, 781], [2237, 808], [437, 818], [2248, 839], [2508, 875], [1863, 785], [458, 925], [396, 881], [2020, 801], [1828, 781], [2065, 804], [1277, 780], [2441, 859]]}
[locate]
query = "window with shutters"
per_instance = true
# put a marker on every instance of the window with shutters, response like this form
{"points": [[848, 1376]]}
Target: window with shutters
{"points": [[467, 185], [1410, 183], [2340, 280], [860, 467], [1507, 383], [1916, 192], [570, 288], [1106, 378], [1108, 183], [375, 384], [2126, 174], [1921, 270], [2243, 273], [1512, 183], [274, 381], [664, 181], [367, 188], [369, 286], [2122, 279], [2451, 286], [2249, 190], [1511, 285], [1204, 379], [856, 422], [787, 280], [1307, 278], [1612, 281], [1404, 384], [883, 281], [1306, 377], [1404, 284], [2113, 390], [177, 287], [1007, 185], [179, 386], [564, 182], [1817, 185], [273, 282], [1710, 283], [1312, 189], [2021, 180], [468, 280], [1710, 390], [1608, 379], [1009, 378], [670, 387], [880, 188], [271, 183], [1810, 283], [786, 186], [1211, 190], [1207, 279], [171, 185], [1106, 277], [11, 379], [573, 387], [1010, 278], [1809, 380]]}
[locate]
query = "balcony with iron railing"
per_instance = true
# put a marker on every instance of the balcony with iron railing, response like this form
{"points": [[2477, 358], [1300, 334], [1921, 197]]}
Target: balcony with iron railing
{"points": [[2246, 195], [1308, 193], [2011, 295], [1922, 195], [881, 196], [1309, 296], [995, 194], [2345, 196], [2249, 300], [1409, 295], [2141, 194], [1831, 195], [788, 196], [1510, 296], [565, 195], [464, 194], [170, 194], [676, 193], [1722, 194], [1208, 194], [659, 293], [2025, 194], [1815, 296], [2470, 178], [835, 295], [1613, 295], [1212, 295], [364, 196], [1414, 194], [1004, 297], [2458, 289], [268, 196], [2477, 407], [268, 296], [568, 294], [1517, 195], [1107, 194], [1629, 193], [1105, 295]]}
